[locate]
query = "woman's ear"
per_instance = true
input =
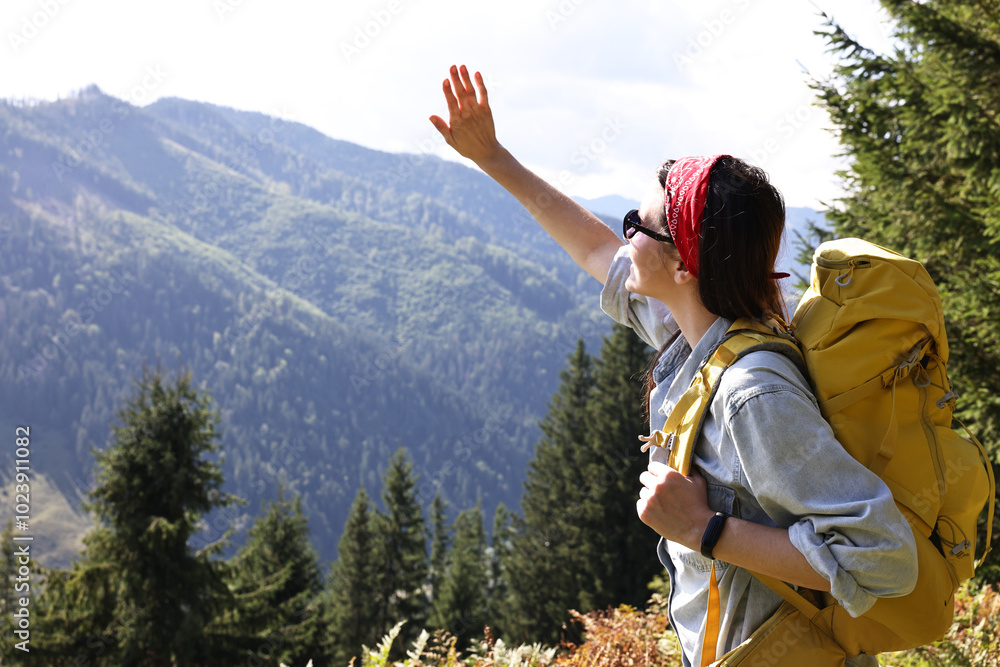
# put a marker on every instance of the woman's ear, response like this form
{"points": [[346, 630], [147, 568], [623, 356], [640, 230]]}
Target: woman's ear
{"points": [[681, 274]]}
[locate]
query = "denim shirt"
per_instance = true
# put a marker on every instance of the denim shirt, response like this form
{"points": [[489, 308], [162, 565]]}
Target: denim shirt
{"points": [[769, 457]]}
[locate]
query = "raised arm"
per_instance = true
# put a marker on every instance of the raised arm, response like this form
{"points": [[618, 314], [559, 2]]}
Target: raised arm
{"points": [[471, 132]]}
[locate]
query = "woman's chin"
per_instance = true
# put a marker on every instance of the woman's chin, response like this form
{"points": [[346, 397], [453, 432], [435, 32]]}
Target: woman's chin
{"points": [[630, 283]]}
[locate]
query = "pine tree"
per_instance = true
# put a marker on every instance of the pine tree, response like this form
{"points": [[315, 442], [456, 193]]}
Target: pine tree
{"points": [[440, 542], [461, 606], [139, 588], [922, 131], [354, 584], [625, 549], [580, 544], [498, 556], [550, 550], [275, 578], [401, 530]]}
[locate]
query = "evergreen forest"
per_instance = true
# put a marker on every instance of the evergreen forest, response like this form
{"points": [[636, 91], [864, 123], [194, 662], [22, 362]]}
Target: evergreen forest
{"points": [[307, 401]]}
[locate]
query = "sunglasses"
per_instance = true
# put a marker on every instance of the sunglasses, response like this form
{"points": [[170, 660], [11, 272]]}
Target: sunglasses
{"points": [[632, 224]]}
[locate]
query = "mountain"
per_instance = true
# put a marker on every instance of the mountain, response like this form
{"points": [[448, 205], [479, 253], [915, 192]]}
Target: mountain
{"points": [[337, 302]]}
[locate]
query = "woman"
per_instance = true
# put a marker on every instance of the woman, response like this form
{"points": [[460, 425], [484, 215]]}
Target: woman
{"points": [[699, 254]]}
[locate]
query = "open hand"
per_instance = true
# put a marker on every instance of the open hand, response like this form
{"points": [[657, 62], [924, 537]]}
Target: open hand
{"points": [[469, 129]]}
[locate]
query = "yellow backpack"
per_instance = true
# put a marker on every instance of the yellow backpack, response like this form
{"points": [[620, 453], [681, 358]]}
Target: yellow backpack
{"points": [[870, 335]]}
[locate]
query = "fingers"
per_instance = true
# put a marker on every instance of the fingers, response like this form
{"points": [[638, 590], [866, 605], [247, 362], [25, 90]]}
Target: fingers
{"points": [[461, 90], [658, 468], [458, 86], [441, 126], [470, 91], [450, 99], [484, 99]]}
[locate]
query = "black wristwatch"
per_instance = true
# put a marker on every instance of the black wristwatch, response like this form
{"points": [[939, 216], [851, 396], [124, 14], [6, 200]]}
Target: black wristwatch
{"points": [[712, 533]]}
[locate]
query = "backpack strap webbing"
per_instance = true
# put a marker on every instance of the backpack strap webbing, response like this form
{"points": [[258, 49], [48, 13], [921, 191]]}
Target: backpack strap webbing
{"points": [[990, 504], [680, 433], [685, 422]]}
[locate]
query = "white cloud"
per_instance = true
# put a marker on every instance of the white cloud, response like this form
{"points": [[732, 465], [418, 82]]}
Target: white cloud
{"points": [[560, 71]]}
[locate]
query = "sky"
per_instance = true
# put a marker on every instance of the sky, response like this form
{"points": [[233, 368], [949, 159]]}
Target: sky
{"points": [[590, 94]]}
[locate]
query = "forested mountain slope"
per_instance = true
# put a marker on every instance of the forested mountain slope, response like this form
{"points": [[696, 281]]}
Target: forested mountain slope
{"points": [[334, 316], [338, 302]]}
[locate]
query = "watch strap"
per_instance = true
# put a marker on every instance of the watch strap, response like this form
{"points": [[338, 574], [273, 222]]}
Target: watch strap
{"points": [[712, 534]]}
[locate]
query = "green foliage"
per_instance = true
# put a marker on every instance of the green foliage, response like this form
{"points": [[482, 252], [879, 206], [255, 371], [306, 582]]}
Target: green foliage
{"points": [[139, 586], [920, 126], [440, 542], [401, 532], [324, 293], [579, 543], [355, 583], [460, 604], [617, 637], [548, 550], [278, 615]]}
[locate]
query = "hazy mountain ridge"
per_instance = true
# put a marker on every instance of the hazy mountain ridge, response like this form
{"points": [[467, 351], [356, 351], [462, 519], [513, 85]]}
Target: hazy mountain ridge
{"points": [[338, 302], [327, 337]]}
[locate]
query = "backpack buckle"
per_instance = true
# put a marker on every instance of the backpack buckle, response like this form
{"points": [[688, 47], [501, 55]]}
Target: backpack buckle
{"points": [[960, 547], [657, 439]]}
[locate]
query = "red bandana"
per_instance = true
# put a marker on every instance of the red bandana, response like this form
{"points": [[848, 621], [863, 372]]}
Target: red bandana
{"points": [[685, 197]]}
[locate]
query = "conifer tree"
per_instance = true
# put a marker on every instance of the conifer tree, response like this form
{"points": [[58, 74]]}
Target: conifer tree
{"points": [[354, 584], [275, 578], [498, 557], [404, 566], [440, 542], [921, 129], [549, 551], [138, 587], [580, 544], [625, 548], [461, 606]]}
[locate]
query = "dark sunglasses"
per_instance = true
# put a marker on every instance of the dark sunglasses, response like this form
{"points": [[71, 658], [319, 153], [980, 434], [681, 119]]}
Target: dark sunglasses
{"points": [[632, 224]]}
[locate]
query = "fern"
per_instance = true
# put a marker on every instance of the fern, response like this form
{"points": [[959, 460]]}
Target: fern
{"points": [[380, 657]]}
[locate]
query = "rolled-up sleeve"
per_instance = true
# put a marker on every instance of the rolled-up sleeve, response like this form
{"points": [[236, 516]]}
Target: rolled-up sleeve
{"points": [[839, 515], [649, 318]]}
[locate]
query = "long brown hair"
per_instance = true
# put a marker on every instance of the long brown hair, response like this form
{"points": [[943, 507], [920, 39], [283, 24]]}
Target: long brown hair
{"points": [[741, 234]]}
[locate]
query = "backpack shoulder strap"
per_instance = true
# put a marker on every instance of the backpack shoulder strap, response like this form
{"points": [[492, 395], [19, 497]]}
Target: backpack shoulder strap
{"points": [[680, 433]]}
